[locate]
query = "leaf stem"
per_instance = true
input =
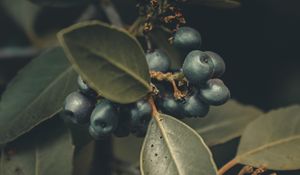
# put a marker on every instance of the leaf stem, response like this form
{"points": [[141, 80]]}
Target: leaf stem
{"points": [[227, 166], [155, 113]]}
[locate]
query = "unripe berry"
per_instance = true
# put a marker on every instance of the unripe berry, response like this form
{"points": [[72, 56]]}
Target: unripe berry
{"points": [[104, 119], [218, 62], [194, 107], [158, 61], [214, 92], [197, 67], [187, 39], [78, 107]]}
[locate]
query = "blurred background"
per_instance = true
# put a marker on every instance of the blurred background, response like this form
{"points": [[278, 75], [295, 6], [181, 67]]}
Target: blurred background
{"points": [[259, 40]]}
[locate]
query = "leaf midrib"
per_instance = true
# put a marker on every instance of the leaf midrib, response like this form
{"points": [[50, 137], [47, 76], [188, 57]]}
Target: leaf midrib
{"points": [[113, 63], [261, 148], [164, 134]]}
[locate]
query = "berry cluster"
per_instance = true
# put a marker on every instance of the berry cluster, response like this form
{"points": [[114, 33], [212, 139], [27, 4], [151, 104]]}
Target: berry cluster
{"points": [[186, 92]]}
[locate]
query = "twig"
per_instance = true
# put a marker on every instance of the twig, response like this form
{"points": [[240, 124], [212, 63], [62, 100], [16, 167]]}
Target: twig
{"points": [[89, 13], [18, 52], [246, 170], [111, 13], [227, 166]]}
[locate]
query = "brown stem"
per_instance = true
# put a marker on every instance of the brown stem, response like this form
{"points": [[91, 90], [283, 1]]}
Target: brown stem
{"points": [[153, 106], [227, 166]]}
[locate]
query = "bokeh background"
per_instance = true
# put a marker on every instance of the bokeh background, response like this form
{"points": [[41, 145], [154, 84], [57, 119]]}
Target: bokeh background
{"points": [[260, 42]]}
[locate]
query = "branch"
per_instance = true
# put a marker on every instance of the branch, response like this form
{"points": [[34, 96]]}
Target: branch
{"points": [[111, 13], [18, 52]]}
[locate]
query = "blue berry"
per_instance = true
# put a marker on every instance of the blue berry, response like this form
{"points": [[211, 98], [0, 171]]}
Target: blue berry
{"points": [[169, 105], [197, 67], [78, 107], [140, 115], [84, 88], [214, 92], [187, 39], [218, 62], [158, 61], [104, 119], [194, 107]]}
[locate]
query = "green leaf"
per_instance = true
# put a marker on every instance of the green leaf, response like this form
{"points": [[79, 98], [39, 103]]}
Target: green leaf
{"points": [[59, 3], [171, 147], [83, 159], [160, 39], [272, 140], [127, 149], [23, 12], [48, 150], [224, 123], [110, 60], [35, 94], [218, 3]]}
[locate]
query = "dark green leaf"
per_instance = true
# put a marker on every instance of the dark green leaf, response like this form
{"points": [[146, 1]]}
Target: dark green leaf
{"points": [[218, 3], [83, 159], [35, 94], [171, 147], [59, 3], [127, 149], [110, 60], [224, 123], [273, 140], [23, 12], [48, 150]]}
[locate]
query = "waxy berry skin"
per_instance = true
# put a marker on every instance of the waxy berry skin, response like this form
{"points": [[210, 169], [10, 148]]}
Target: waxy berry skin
{"points": [[197, 67], [187, 39], [104, 119], [84, 88], [194, 107], [170, 106], [218, 62], [78, 107], [158, 61], [140, 115], [214, 92]]}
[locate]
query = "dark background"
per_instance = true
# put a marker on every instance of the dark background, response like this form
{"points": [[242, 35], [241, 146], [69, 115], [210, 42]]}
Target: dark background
{"points": [[260, 42]]}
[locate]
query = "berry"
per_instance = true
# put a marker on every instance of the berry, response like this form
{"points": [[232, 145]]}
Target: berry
{"points": [[187, 39], [104, 119], [169, 105], [122, 129], [158, 61], [78, 107], [84, 88], [197, 67], [194, 107], [214, 92], [218, 62], [140, 115]]}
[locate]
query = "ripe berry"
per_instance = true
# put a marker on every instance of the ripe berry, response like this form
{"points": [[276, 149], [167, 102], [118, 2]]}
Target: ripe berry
{"points": [[158, 61], [194, 107], [218, 62], [197, 67], [78, 107], [214, 92], [84, 88], [104, 119], [140, 115], [122, 129], [169, 105], [187, 39]]}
